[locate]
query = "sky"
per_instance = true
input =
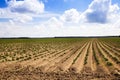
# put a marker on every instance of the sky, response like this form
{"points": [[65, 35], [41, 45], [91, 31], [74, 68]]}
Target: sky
{"points": [[49, 18]]}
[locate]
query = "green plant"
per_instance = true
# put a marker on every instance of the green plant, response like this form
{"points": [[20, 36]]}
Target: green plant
{"points": [[109, 64]]}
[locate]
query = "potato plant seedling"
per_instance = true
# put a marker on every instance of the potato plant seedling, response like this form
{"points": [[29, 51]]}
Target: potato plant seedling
{"points": [[60, 58]]}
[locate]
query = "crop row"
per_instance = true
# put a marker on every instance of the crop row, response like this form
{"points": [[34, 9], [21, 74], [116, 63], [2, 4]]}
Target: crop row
{"points": [[111, 56], [103, 56]]}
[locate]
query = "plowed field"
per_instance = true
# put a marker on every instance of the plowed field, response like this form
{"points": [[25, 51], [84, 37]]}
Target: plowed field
{"points": [[60, 59]]}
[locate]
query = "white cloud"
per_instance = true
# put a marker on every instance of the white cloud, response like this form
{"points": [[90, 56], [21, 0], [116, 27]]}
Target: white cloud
{"points": [[71, 15], [26, 6], [98, 10], [15, 17], [22, 11], [102, 11], [114, 8], [70, 23], [22, 18], [54, 27], [49, 28], [54, 22], [5, 13]]}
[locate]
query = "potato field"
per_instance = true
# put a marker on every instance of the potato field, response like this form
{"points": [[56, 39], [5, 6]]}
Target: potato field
{"points": [[60, 59]]}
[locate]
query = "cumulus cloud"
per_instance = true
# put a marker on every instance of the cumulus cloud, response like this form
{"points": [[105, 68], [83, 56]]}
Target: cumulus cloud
{"points": [[70, 23], [22, 18], [15, 17], [114, 8], [71, 15], [49, 28], [26, 6], [54, 25], [22, 11], [98, 10], [54, 22]]}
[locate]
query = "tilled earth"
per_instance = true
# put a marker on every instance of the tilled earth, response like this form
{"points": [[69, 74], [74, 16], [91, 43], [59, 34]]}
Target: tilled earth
{"points": [[31, 73]]}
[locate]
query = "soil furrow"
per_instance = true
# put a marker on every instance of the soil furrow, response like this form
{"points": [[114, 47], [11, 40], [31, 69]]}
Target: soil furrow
{"points": [[116, 53], [112, 46], [90, 62], [109, 59], [46, 62], [57, 59], [79, 64], [66, 64], [54, 64], [102, 64]]}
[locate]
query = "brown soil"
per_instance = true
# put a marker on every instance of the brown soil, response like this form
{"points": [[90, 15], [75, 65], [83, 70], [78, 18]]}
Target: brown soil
{"points": [[79, 64], [90, 63], [31, 73], [114, 52], [64, 64], [115, 65]]}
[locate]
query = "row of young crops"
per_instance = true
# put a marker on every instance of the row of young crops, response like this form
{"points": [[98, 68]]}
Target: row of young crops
{"points": [[22, 50], [64, 55]]}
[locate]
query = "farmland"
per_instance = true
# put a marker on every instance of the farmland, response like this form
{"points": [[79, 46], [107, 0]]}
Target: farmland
{"points": [[60, 59]]}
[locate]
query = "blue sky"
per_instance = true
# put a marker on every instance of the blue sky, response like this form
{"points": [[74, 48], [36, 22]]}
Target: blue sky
{"points": [[41, 18], [62, 5]]}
